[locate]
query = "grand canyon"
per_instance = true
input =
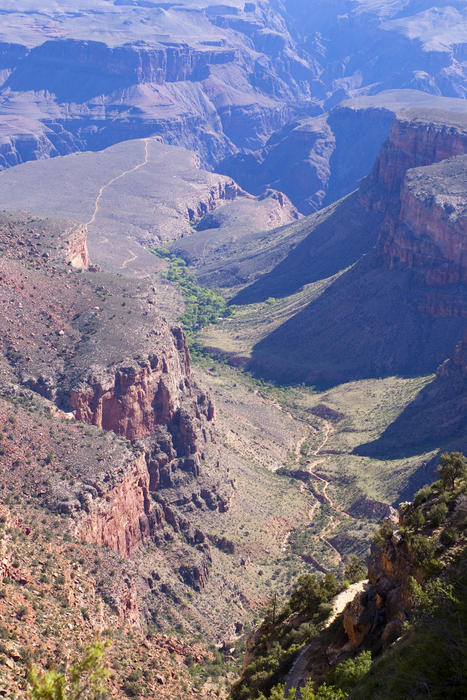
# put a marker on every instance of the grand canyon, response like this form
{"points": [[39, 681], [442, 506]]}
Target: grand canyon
{"points": [[233, 370]]}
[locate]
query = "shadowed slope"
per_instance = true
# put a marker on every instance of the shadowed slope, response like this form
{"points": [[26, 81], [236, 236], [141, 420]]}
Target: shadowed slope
{"points": [[367, 324], [327, 249]]}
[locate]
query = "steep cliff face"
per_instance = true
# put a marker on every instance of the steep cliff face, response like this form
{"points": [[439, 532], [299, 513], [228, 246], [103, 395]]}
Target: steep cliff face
{"points": [[419, 183], [136, 399], [430, 232], [99, 352], [121, 518], [385, 605], [417, 138], [105, 67]]}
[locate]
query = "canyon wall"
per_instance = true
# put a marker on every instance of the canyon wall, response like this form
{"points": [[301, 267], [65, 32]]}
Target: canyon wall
{"points": [[221, 79], [419, 183], [96, 351], [398, 308]]}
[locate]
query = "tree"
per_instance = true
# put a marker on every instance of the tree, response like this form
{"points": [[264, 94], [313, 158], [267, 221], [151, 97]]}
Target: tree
{"points": [[311, 592], [452, 465], [85, 680], [355, 569], [348, 673]]}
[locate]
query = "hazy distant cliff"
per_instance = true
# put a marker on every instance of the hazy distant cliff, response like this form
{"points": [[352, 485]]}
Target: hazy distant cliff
{"points": [[377, 318]]}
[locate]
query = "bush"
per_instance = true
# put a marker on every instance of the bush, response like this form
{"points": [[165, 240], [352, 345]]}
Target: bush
{"points": [[383, 533], [131, 689], [448, 537], [348, 673], [85, 679], [324, 692], [422, 495], [437, 514], [423, 552], [416, 519]]}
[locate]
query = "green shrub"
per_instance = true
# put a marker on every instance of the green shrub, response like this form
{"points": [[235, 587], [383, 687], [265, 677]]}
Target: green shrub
{"points": [[383, 533], [449, 537], [348, 673], [311, 592], [202, 305], [85, 679], [416, 519], [355, 569], [437, 514], [423, 552], [452, 465], [422, 495], [131, 689]]}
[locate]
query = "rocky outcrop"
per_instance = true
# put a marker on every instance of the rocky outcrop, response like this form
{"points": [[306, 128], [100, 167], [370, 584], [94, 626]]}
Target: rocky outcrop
{"points": [[77, 254], [136, 398], [376, 616], [224, 190], [417, 138], [122, 517]]}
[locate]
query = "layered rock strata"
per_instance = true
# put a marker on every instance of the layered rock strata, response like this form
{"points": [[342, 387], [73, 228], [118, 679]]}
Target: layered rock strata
{"points": [[113, 362], [419, 183]]}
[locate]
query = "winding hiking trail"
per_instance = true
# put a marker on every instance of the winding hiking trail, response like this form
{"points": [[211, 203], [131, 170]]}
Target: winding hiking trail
{"points": [[297, 673], [118, 177], [129, 260], [310, 467]]}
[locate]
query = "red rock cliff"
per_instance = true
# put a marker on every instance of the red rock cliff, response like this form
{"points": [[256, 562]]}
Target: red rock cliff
{"points": [[419, 183], [121, 519], [415, 140]]}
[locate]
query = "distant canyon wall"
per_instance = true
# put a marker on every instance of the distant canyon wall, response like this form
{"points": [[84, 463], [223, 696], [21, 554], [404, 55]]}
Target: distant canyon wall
{"points": [[419, 183]]}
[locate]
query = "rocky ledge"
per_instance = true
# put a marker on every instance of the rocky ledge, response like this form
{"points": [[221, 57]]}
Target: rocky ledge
{"points": [[97, 350]]}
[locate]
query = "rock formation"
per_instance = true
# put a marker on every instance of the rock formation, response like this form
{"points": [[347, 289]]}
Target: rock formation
{"points": [[218, 78], [402, 237], [116, 364]]}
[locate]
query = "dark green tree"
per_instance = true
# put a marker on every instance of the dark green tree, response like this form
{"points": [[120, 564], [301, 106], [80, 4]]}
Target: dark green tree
{"points": [[452, 465]]}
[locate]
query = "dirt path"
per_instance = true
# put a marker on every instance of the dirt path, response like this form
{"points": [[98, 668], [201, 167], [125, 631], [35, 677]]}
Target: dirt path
{"points": [[114, 179], [128, 260], [311, 465], [344, 597], [297, 673]]}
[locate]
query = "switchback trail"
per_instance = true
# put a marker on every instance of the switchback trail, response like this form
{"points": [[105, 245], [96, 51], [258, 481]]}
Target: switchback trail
{"points": [[129, 260], [311, 465], [114, 179]]}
